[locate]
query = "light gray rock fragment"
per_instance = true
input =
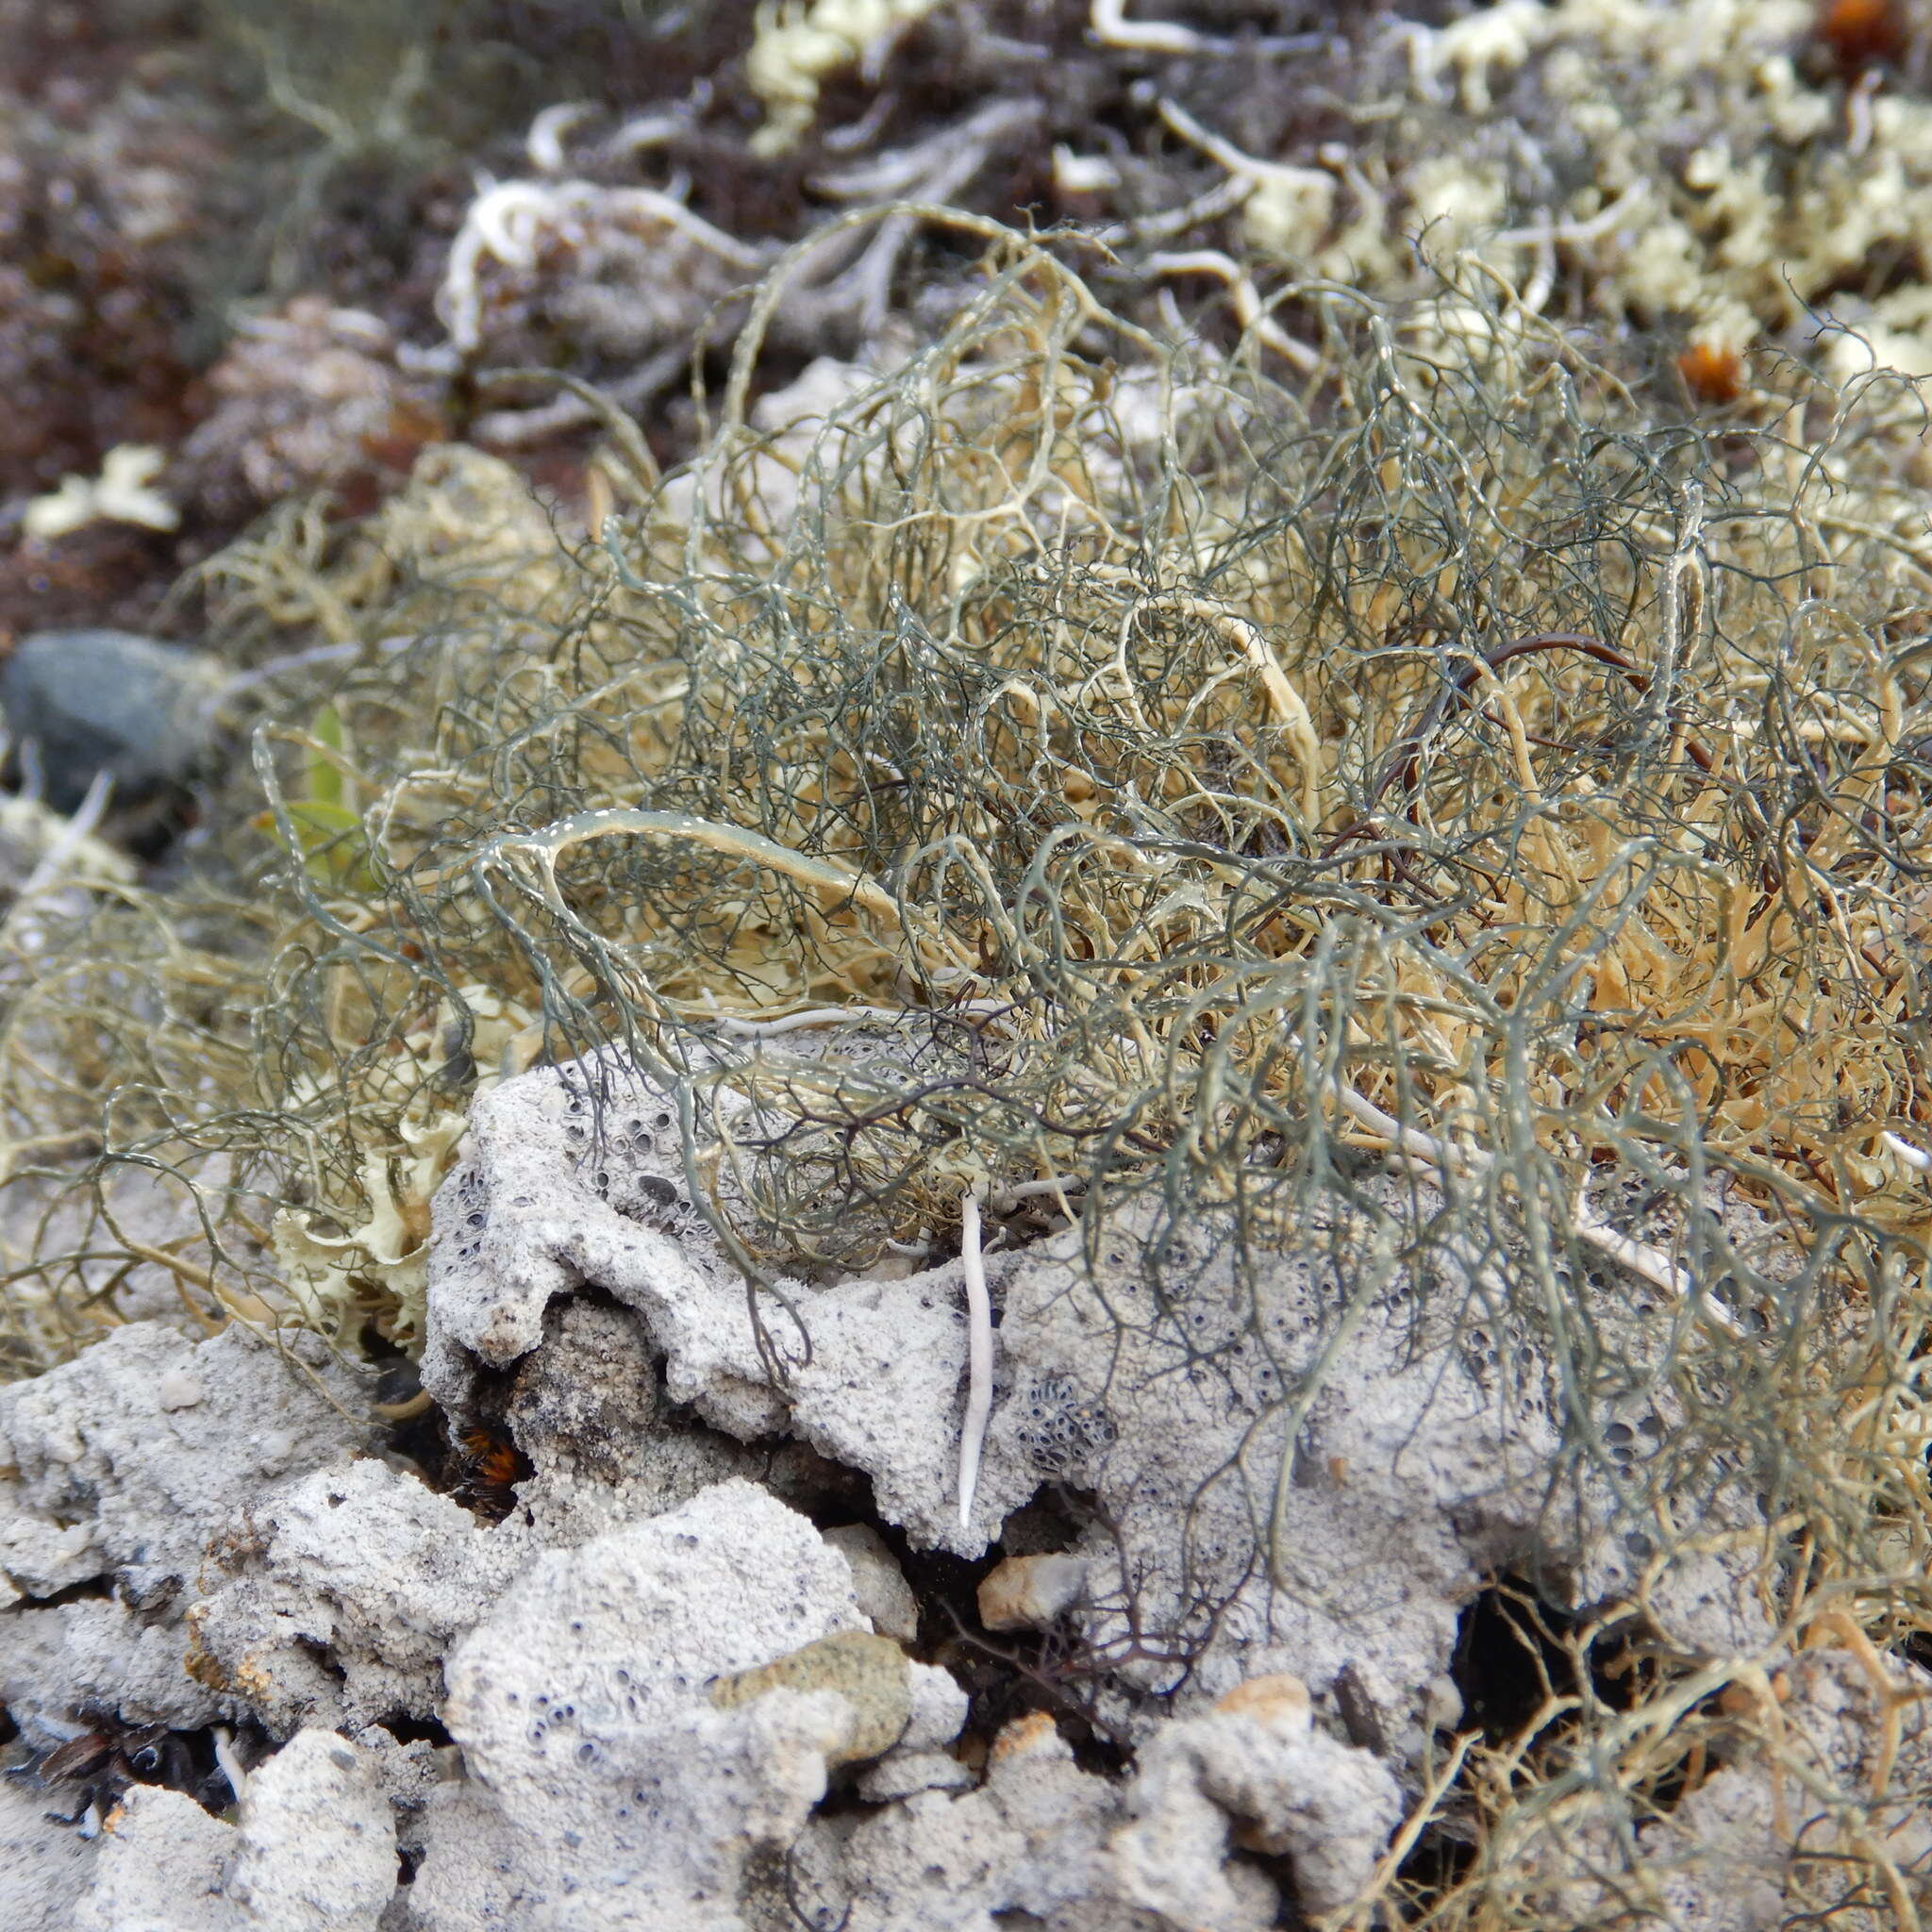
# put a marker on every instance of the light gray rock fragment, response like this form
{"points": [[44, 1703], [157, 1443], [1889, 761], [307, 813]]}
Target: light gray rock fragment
{"points": [[901, 1773], [1253, 1761], [879, 1582], [317, 1849], [589, 1410], [116, 1480], [313, 1851], [1031, 1846], [108, 701], [45, 1868], [101, 1446], [162, 1868], [342, 1603], [97, 1651], [619, 1794], [1029, 1593]]}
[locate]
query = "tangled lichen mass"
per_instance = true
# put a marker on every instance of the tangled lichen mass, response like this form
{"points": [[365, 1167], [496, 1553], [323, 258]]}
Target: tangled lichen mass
{"points": [[1385, 777]]}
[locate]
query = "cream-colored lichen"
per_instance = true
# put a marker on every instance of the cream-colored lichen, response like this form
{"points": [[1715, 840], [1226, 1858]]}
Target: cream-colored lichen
{"points": [[800, 46], [124, 492]]}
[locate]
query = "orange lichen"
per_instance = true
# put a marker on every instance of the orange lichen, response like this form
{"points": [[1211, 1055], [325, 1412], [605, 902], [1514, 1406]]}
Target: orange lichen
{"points": [[1861, 33], [1711, 374]]}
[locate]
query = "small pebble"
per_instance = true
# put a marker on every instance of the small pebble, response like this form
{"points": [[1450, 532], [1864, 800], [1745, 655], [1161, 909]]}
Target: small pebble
{"points": [[1029, 1593], [178, 1391], [91, 701], [1279, 1703], [868, 1672]]}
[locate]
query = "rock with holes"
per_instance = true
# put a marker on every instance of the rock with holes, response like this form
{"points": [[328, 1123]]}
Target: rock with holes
{"points": [[1034, 1845], [127, 1463], [341, 1601], [1214, 1547], [611, 1786]]}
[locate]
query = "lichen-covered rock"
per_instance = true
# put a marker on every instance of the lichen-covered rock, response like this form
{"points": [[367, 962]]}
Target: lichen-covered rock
{"points": [[1417, 1468], [881, 1585], [582, 1705], [45, 1868], [343, 1601], [589, 1410], [1032, 1845], [107, 1443], [127, 1463], [162, 1868], [100, 1652], [1253, 1761], [1029, 1593], [317, 1849], [313, 1850], [869, 1673]]}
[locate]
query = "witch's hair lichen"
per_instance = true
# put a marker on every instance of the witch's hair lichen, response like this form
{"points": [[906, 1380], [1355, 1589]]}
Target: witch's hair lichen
{"points": [[1154, 788]]}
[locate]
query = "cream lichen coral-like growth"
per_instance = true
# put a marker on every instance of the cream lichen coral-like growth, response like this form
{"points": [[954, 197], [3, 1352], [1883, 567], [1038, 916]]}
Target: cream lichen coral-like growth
{"points": [[801, 43]]}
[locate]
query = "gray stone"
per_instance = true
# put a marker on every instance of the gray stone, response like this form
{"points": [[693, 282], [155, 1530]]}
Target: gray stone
{"points": [[884, 1595], [93, 701], [316, 1848], [45, 1867], [617, 1793]]}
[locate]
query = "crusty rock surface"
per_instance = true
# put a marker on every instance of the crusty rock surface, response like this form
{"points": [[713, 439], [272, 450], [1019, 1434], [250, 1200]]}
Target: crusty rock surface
{"points": [[653, 1668], [313, 1850], [607, 1777], [127, 1463], [343, 1601], [1417, 1468], [44, 1868]]}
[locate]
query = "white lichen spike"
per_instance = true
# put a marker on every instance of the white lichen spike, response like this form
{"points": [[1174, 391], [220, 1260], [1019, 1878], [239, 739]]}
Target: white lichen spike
{"points": [[978, 1356]]}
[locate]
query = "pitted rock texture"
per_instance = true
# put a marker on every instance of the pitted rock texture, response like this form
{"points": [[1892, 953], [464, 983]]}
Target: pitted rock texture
{"points": [[1417, 1467], [343, 1601], [127, 1463], [605, 1774]]}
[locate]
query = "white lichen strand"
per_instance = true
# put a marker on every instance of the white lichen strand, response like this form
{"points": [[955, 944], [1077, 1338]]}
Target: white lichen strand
{"points": [[978, 1356]]}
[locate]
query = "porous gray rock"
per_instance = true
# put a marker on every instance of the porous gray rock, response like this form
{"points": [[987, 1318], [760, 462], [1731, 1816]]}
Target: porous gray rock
{"points": [[99, 1652], [1033, 1845], [588, 1411], [1255, 1761], [162, 1868], [1417, 1468], [117, 1481], [340, 1606], [45, 1867], [313, 1850], [93, 701], [317, 1843], [884, 1595], [582, 1702], [115, 1476]]}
